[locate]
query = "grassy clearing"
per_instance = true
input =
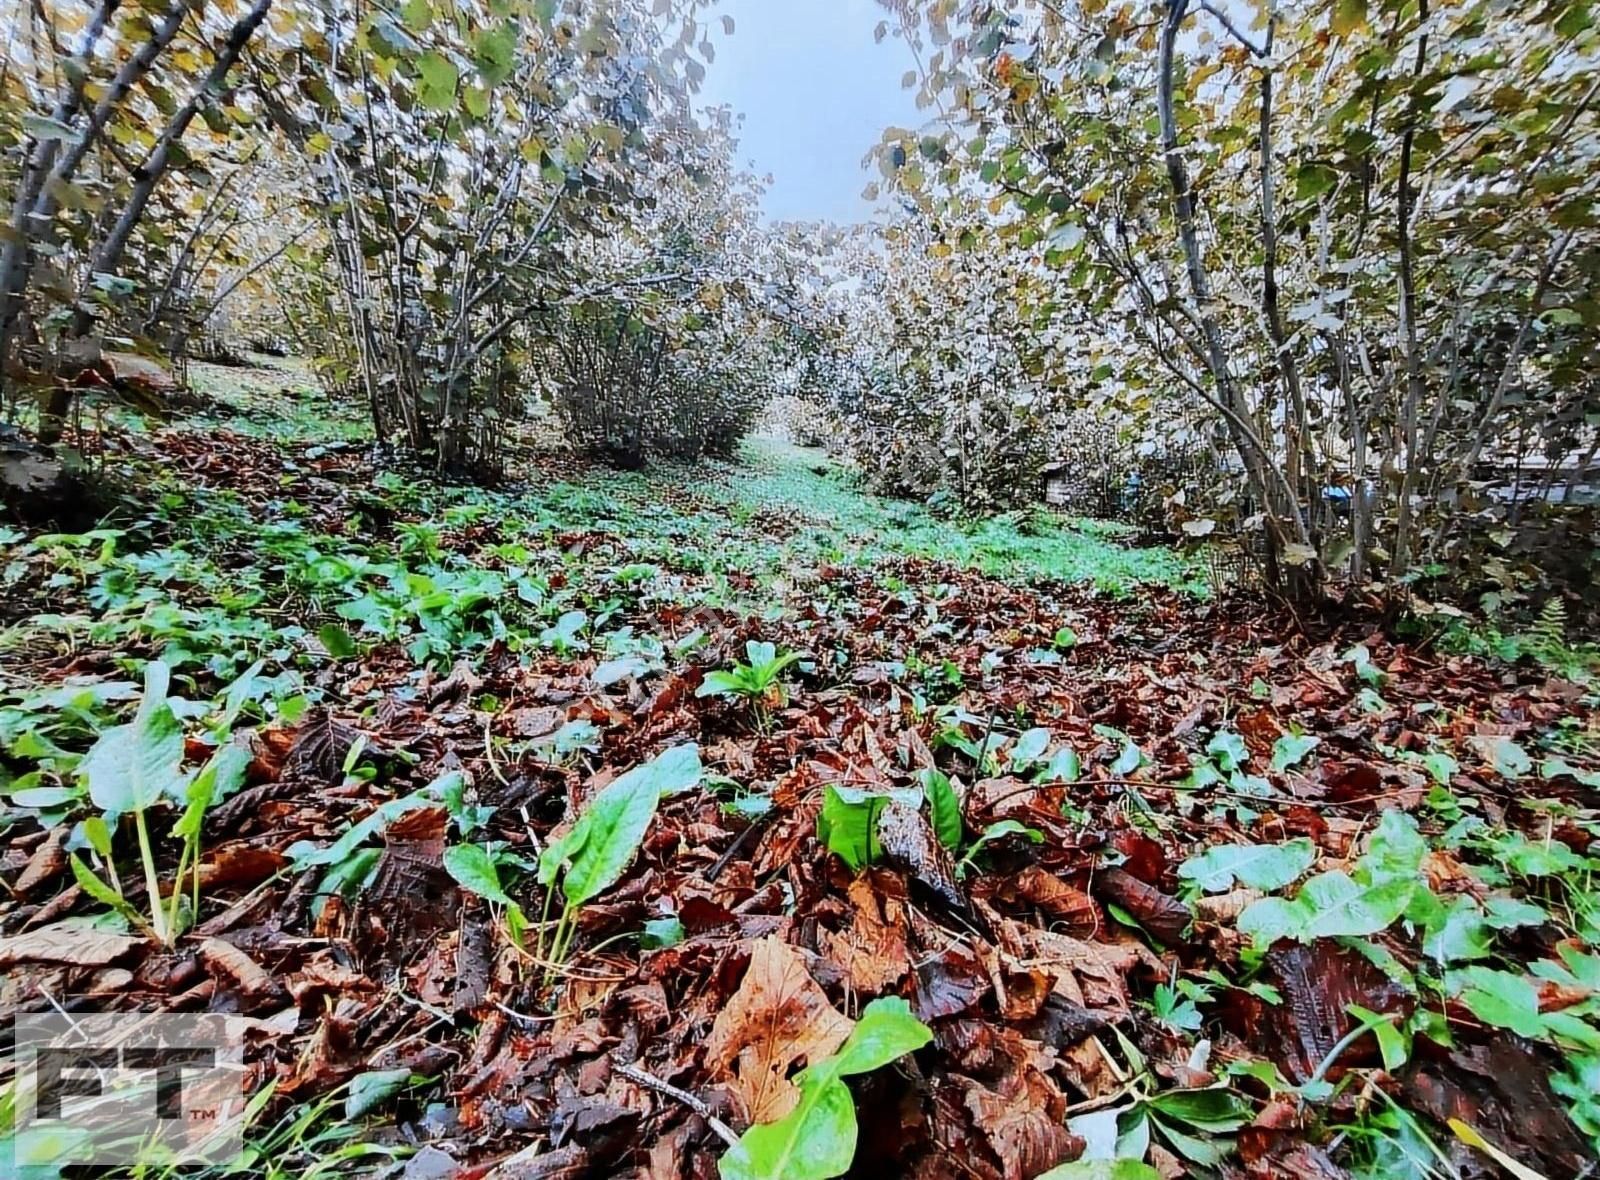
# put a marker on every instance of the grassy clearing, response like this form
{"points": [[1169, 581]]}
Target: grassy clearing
{"points": [[782, 508]]}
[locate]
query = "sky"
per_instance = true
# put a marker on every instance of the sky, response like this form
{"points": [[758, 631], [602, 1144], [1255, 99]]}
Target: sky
{"points": [[816, 93]]}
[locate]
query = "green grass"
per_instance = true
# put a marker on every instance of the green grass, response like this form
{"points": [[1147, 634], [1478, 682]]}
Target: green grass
{"points": [[278, 398], [782, 508]]}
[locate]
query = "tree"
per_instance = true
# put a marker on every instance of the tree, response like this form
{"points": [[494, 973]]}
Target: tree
{"points": [[1302, 215]]}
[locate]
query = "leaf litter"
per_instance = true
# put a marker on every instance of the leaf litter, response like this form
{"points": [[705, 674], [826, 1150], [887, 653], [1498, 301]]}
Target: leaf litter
{"points": [[1196, 889]]}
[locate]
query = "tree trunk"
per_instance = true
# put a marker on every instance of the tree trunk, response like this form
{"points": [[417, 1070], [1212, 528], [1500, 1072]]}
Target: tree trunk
{"points": [[108, 257], [36, 202]]}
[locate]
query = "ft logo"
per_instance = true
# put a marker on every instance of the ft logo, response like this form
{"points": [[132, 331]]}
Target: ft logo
{"points": [[118, 1088]]}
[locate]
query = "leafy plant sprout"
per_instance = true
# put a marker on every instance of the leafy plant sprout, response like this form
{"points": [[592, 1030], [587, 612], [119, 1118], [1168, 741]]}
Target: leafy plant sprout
{"points": [[756, 680]]}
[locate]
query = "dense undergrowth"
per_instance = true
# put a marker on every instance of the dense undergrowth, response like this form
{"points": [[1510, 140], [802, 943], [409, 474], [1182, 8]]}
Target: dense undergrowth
{"points": [[486, 804]]}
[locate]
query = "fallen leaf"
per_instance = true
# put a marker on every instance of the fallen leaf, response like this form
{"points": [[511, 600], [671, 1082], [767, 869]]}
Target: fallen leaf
{"points": [[777, 1021]]}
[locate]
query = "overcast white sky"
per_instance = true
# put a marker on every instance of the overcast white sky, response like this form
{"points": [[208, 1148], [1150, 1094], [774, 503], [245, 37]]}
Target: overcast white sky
{"points": [[816, 93]]}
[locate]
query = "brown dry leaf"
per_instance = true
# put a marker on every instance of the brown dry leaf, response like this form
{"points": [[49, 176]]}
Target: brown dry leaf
{"points": [[1023, 1121], [242, 863], [74, 945], [1164, 916], [1100, 969], [872, 954], [777, 1020], [48, 861], [1073, 911], [226, 959]]}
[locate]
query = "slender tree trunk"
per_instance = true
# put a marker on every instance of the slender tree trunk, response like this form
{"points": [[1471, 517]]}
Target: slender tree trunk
{"points": [[1229, 395], [37, 203], [108, 257]]}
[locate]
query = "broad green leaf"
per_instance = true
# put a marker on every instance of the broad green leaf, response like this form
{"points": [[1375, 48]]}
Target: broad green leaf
{"points": [[1216, 1108], [474, 870], [1328, 906], [849, 828], [370, 1090], [1391, 1041], [944, 807], [1498, 998], [1064, 767], [886, 1032], [1508, 758], [817, 1139], [1257, 866], [305, 855], [494, 52], [338, 642], [722, 684], [436, 81], [1029, 748], [1456, 932], [1396, 849], [605, 838], [1291, 749], [131, 766], [1129, 757], [662, 932], [222, 775], [1348, 16], [1228, 750]]}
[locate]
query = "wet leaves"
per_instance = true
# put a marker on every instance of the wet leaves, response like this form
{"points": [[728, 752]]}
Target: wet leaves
{"points": [[1098, 881], [777, 1018]]}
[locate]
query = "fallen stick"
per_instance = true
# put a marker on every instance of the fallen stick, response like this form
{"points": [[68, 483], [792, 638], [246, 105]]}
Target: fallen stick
{"points": [[650, 1082]]}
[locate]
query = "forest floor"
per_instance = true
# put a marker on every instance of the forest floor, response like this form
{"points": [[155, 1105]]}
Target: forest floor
{"points": [[1165, 876]]}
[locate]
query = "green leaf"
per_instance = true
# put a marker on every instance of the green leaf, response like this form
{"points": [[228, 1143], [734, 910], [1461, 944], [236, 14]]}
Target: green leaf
{"points": [[1129, 758], [1029, 748], [474, 870], [91, 884], [1391, 1041], [370, 1090], [131, 766], [1257, 866], [222, 775], [723, 684], [417, 15], [1312, 180], [1291, 749], [603, 842], [1215, 1109], [436, 81], [494, 52], [1456, 932], [848, 828], [305, 855], [1498, 998], [1508, 758], [1102, 1170], [1348, 16], [1328, 906], [660, 933], [340, 644], [944, 807], [817, 1139], [1064, 767], [1396, 849], [1228, 750]]}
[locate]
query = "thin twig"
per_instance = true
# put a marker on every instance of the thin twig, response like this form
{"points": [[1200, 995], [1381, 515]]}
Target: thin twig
{"points": [[650, 1082]]}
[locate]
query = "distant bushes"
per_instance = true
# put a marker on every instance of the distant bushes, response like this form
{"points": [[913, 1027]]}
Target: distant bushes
{"points": [[626, 389]]}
